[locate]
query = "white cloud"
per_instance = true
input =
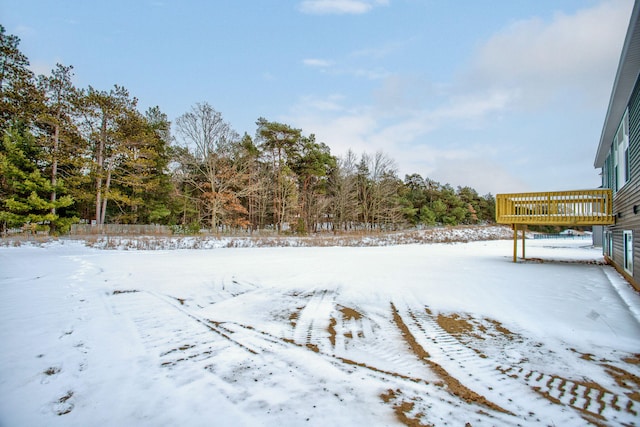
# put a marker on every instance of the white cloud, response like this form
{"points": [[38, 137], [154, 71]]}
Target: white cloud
{"points": [[542, 58], [451, 131], [330, 103], [383, 50], [339, 7], [323, 65], [404, 135], [476, 106], [482, 174], [315, 62]]}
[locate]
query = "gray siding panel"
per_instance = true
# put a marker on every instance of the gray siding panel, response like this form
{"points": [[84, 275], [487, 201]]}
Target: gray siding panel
{"points": [[629, 195], [634, 133]]}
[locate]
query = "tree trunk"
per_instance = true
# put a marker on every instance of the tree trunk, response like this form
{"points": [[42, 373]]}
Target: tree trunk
{"points": [[105, 199], [54, 167], [99, 169]]}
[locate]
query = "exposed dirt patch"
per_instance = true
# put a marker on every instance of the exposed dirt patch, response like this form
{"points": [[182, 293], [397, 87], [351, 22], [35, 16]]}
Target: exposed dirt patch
{"points": [[632, 360], [455, 325], [461, 327], [501, 329], [313, 347], [332, 331], [403, 409], [125, 291], [293, 317], [408, 337], [349, 313]]}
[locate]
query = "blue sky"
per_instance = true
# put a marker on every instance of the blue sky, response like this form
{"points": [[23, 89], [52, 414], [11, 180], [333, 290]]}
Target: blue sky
{"points": [[500, 95]]}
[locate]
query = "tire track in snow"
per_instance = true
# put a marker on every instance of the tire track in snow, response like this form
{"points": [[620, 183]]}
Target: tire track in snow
{"points": [[312, 323], [476, 373], [325, 327], [168, 328], [235, 354], [593, 403], [279, 350], [377, 345]]}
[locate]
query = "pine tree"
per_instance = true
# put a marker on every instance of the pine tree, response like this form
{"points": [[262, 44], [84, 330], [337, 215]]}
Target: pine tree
{"points": [[20, 100], [56, 123], [102, 112], [312, 162], [25, 192], [278, 143]]}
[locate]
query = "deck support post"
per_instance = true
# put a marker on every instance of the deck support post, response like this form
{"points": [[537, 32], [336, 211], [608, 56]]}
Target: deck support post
{"points": [[515, 242], [523, 238]]}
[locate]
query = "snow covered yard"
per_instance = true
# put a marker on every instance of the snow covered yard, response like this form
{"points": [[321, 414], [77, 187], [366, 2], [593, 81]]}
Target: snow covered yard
{"points": [[418, 334]]}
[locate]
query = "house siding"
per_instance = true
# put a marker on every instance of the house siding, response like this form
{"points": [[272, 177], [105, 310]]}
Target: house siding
{"points": [[628, 196], [634, 133], [623, 203]]}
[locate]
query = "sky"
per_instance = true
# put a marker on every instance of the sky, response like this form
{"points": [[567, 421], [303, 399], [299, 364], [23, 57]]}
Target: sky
{"points": [[501, 96]]}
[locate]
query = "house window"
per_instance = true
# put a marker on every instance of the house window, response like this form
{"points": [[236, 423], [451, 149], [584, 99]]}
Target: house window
{"points": [[621, 153], [610, 244], [607, 243], [628, 251]]}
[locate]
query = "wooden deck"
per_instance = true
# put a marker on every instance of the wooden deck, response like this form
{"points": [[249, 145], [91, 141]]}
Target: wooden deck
{"points": [[564, 208], [568, 208]]}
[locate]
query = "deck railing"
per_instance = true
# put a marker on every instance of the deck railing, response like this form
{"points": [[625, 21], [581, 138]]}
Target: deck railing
{"points": [[581, 207]]}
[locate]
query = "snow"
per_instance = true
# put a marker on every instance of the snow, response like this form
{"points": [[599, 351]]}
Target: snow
{"points": [[430, 334]]}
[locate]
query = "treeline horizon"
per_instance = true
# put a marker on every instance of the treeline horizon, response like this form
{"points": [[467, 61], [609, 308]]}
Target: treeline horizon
{"points": [[71, 155]]}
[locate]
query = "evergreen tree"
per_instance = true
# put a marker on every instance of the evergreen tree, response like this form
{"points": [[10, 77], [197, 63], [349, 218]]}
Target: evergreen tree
{"points": [[311, 162], [140, 186], [278, 142], [20, 101], [102, 112], [25, 192], [56, 122], [158, 202]]}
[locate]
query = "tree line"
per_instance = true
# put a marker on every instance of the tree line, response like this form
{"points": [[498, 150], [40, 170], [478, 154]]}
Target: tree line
{"points": [[72, 154]]}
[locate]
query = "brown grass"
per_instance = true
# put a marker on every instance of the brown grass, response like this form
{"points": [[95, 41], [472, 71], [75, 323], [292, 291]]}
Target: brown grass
{"points": [[160, 241]]}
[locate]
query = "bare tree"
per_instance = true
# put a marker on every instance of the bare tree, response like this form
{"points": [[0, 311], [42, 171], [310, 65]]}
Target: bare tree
{"points": [[344, 192], [377, 185], [209, 143]]}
